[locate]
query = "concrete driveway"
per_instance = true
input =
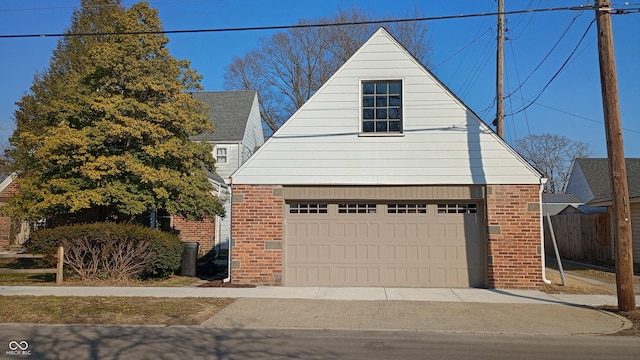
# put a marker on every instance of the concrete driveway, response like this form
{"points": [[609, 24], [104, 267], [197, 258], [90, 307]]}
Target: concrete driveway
{"points": [[548, 319]]}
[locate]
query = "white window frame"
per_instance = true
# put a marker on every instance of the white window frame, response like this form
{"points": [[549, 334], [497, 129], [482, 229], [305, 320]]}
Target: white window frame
{"points": [[225, 155], [361, 81]]}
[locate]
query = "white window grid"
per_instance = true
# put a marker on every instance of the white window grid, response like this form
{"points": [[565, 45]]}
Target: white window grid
{"points": [[357, 208], [407, 208], [308, 208], [457, 208]]}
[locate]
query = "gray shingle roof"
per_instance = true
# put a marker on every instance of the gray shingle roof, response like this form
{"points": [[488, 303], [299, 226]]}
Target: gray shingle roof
{"points": [[229, 112], [215, 177], [596, 172]]}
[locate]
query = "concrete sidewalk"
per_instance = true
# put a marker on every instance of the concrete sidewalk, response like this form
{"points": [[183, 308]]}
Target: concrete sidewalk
{"points": [[375, 309], [462, 295]]}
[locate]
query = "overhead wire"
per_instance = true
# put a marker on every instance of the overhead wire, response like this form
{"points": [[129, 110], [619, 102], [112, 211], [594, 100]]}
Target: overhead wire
{"points": [[600, 122], [461, 49], [557, 72], [300, 26], [466, 53], [544, 59], [478, 69], [526, 25], [515, 65], [101, 5], [508, 104]]}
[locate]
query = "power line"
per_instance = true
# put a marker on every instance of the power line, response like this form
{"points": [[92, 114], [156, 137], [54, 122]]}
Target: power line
{"points": [[100, 5], [517, 24], [557, 72], [515, 64], [301, 26], [600, 122], [464, 57], [461, 49], [547, 55]]}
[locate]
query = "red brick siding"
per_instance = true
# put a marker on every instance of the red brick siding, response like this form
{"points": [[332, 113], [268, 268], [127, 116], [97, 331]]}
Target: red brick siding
{"points": [[515, 263], [5, 221], [203, 231], [256, 220]]}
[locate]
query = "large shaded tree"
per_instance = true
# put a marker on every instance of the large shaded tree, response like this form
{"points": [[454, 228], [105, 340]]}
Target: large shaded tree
{"points": [[288, 67], [107, 125], [553, 155]]}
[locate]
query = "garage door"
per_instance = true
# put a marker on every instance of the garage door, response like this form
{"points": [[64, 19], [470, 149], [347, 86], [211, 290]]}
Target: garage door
{"points": [[400, 244]]}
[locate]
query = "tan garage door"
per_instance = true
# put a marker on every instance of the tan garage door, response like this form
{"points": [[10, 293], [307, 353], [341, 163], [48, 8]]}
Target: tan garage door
{"points": [[401, 244]]}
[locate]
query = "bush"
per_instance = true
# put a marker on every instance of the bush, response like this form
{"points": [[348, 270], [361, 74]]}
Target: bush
{"points": [[109, 250]]}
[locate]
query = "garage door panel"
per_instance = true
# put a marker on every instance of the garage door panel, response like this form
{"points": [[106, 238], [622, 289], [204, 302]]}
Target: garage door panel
{"points": [[380, 249]]}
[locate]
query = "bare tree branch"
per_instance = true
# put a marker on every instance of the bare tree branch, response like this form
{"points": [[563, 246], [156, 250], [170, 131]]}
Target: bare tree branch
{"points": [[553, 155], [287, 68]]}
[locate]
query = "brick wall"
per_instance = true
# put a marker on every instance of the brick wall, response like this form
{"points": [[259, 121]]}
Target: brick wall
{"points": [[5, 221], [203, 231], [513, 243], [513, 215], [257, 233]]}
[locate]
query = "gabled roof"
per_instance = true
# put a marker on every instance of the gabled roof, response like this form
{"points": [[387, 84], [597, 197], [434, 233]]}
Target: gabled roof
{"points": [[443, 141], [596, 172], [229, 112]]}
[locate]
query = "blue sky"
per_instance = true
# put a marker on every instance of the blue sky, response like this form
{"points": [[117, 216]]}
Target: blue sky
{"points": [[463, 54]]}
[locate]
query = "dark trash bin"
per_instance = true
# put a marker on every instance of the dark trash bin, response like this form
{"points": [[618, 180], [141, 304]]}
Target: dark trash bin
{"points": [[189, 259]]}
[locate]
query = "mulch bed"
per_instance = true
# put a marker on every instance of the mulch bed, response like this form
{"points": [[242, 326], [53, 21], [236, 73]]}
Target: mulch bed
{"points": [[633, 316], [220, 283]]}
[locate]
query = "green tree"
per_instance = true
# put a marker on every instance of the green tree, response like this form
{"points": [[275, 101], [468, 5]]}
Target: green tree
{"points": [[108, 125]]}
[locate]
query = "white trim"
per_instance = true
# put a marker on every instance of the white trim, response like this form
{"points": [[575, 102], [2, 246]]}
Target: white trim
{"points": [[361, 80], [226, 153], [6, 182]]}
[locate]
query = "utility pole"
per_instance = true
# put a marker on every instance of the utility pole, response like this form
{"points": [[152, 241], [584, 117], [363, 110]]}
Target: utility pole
{"points": [[617, 166], [499, 122]]}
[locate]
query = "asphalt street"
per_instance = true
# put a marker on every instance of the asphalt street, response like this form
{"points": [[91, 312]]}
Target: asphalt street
{"points": [[106, 342]]}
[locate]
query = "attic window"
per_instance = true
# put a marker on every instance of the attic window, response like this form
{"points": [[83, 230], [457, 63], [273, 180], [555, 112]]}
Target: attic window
{"points": [[221, 155], [382, 106]]}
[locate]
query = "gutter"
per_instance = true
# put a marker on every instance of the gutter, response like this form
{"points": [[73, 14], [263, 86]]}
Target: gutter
{"points": [[228, 278], [543, 181]]}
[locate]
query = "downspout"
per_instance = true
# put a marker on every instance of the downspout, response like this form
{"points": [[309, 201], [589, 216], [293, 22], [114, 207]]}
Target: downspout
{"points": [[543, 181], [228, 278]]}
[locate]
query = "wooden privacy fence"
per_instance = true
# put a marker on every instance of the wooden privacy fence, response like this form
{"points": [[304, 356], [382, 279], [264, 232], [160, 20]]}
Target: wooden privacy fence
{"points": [[580, 236], [57, 270]]}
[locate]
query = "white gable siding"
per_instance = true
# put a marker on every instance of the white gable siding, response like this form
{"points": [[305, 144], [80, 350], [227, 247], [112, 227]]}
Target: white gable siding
{"points": [[233, 161], [578, 184], [253, 135], [442, 141]]}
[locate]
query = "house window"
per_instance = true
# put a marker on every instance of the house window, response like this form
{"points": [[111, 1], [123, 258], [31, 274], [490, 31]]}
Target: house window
{"points": [[221, 155], [407, 208], [457, 208], [382, 106], [356, 208], [307, 208]]}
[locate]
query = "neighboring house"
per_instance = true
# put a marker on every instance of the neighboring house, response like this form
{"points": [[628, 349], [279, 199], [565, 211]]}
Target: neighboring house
{"points": [[12, 233], [590, 180], [238, 128], [238, 133], [553, 204], [385, 178]]}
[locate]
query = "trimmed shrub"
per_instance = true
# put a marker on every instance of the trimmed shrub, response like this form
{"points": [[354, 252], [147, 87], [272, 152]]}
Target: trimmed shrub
{"points": [[109, 250]]}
